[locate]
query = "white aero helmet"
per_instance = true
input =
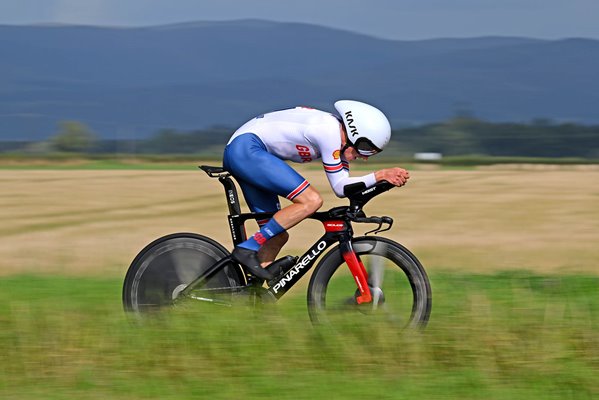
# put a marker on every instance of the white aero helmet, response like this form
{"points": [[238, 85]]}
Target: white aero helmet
{"points": [[368, 130]]}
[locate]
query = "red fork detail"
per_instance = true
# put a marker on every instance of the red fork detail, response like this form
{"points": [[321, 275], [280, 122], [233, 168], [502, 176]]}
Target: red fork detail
{"points": [[360, 276]]}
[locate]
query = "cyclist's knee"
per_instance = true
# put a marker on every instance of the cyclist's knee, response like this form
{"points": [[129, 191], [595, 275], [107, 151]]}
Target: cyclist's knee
{"points": [[317, 204], [310, 199]]}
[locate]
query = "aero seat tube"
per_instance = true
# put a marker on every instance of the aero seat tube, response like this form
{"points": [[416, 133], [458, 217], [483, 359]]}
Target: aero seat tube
{"points": [[238, 233], [231, 193]]}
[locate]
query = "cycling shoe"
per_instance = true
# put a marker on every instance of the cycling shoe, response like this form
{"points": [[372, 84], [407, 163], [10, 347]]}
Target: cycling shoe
{"points": [[281, 265], [249, 259]]}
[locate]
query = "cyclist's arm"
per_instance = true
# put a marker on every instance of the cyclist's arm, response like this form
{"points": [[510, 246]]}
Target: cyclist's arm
{"points": [[335, 167], [337, 170], [338, 176]]}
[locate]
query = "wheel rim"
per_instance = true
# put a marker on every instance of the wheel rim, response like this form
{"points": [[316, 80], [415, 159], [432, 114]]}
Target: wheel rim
{"points": [[398, 300], [392, 297], [168, 267]]}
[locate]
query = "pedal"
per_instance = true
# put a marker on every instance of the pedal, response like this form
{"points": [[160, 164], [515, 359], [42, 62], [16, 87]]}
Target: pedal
{"points": [[280, 266]]}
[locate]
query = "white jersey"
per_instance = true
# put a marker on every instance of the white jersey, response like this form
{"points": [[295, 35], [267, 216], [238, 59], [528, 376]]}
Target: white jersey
{"points": [[302, 135]]}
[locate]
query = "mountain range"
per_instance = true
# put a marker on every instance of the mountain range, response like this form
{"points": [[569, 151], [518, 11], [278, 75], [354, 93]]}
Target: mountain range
{"points": [[132, 82]]}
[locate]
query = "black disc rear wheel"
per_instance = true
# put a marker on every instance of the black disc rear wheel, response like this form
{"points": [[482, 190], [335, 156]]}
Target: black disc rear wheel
{"points": [[166, 266]]}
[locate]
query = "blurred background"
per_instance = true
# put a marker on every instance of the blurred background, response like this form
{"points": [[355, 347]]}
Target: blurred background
{"points": [[107, 107], [515, 79]]}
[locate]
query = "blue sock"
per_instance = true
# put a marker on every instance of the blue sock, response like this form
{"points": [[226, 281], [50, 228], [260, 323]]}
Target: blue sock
{"points": [[268, 230]]}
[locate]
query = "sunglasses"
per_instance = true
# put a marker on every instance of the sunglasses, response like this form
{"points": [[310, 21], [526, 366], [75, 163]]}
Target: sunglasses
{"points": [[365, 147]]}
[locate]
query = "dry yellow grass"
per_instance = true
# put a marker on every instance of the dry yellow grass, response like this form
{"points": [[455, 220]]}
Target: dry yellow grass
{"points": [[94, 222]]}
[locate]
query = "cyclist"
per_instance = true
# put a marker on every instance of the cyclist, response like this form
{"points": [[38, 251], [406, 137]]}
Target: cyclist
{"points": [[256, 153]]}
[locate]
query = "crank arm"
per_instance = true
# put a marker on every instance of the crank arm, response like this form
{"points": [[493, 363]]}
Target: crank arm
{"points": [[211, 301]]}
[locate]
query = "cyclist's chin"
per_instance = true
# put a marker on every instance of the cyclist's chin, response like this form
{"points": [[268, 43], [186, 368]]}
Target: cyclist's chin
{"points": [[350, 154]]}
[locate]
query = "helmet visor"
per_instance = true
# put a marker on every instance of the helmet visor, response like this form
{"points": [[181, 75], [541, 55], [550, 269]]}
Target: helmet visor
{"points": [[365, 147]]}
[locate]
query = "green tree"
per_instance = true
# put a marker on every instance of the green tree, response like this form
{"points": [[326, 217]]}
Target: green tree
{"points": [[73, 137]]}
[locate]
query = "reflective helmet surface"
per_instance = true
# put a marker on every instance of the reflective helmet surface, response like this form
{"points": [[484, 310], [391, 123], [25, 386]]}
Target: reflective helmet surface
{"points": [[368, 130]]}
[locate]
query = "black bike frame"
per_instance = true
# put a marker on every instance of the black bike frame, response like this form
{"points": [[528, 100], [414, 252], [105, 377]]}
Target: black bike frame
{"points": [[337, 230]]}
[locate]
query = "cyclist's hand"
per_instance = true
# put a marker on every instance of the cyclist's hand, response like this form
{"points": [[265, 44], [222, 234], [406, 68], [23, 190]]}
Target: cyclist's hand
{"points": [[396, 176]]}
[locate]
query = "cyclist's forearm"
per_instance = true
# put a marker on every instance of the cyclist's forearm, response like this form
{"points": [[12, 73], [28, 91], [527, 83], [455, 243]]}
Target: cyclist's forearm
{"points": [[338, 183]]}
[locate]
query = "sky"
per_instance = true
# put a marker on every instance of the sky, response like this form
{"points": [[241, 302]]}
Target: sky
{"points": [[391, 19]]}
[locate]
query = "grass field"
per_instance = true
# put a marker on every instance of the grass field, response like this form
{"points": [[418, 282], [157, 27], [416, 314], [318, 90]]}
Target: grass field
{"points": [[512, 255], [501, 336]]}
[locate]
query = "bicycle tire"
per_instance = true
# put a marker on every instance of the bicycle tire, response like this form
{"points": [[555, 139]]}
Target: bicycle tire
{"points": [[332, 289], [168, 264]]}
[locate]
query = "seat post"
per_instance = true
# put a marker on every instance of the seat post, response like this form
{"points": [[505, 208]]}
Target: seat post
{"points": [[235, 222], [224, 177]]}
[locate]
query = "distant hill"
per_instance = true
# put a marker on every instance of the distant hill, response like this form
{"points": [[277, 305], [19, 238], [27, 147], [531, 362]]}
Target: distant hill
{"points": [[131, 82]]}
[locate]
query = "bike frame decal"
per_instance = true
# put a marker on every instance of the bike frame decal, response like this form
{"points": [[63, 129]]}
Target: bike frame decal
{"points": [[334, 226], [237, 227], [305, 263]]}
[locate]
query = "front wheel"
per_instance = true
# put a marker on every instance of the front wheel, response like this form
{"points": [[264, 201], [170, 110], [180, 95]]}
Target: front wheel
{"points": [[166, 266], [398, 283]]}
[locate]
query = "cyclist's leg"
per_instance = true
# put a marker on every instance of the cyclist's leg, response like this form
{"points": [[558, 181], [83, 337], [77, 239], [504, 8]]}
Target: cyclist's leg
{"points": [[304, 205], [269, 251], [288, 217], [260, 201], [247, 159]]}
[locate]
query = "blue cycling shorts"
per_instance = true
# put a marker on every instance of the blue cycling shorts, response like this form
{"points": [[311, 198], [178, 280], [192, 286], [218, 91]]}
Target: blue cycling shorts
{"points": [[262, 176]]}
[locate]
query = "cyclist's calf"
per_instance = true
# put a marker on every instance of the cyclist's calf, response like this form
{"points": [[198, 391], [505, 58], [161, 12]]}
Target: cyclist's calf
{"points": [[280, 239], [268, 253]]}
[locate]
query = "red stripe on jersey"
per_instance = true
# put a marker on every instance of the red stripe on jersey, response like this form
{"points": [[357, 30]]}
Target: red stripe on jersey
{"points": [[298, 190], [333, 168]]}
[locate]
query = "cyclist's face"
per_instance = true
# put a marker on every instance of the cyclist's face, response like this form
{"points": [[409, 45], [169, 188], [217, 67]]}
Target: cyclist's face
{"points": [[351, 154]]}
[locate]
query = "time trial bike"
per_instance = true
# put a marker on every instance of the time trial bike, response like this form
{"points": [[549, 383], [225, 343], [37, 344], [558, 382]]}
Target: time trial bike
{"points": [[367, 277]]}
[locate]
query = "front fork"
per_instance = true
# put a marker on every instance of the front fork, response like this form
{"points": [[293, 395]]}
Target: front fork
{"points": [[358, 271]]}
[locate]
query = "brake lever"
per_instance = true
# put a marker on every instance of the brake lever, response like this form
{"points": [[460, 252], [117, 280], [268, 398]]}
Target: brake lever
{"points": [[384, 220]]}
